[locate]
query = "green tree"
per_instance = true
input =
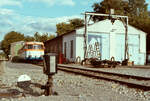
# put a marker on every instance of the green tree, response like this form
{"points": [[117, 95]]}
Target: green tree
{"points": [[135, 9], [63, 27], [42, 38], [138, 7], [120, 7], [37, 36], [10, 38], [123, 7], [28, 38], [51, 37], [76, 23]]}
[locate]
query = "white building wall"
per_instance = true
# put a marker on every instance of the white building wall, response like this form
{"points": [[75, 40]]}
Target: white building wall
{"points": [[142, 43], [120, 47], [80, 46], [113, 41], [134, 47], [67, 39], [112, 44], [143, 48]]}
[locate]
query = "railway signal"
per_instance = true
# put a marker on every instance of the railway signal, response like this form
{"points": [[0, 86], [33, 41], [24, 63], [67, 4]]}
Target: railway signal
{"points": [[50, 68]]}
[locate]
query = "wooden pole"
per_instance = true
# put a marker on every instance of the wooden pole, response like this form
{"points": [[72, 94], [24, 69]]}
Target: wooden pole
{"points": [[85, 37], [49, 85]]}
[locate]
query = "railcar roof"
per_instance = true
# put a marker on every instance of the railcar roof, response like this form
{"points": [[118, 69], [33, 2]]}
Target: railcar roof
{"points": [[34, 43]]}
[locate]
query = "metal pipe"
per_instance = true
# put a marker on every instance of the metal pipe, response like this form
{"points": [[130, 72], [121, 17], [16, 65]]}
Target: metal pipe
{"points": [[99, 14]]}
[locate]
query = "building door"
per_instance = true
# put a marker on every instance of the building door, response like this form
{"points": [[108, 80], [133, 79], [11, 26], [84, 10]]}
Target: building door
{"points": [[65, 49], [71, 49], [120, 47], [133, 47]]}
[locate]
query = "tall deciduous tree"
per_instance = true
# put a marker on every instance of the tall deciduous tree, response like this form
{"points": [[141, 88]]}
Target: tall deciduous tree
{"points": [[16, 36], [120, 7], [43, 37], [37, 36], [10, 38], [135, 9], [63, 27], [28, 38]]}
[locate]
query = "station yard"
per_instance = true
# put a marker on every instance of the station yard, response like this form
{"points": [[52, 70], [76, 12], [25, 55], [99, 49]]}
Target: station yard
{"points": [[68, 86]]}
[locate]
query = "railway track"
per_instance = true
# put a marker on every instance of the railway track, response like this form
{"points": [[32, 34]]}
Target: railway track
{"points": [[130, 80]]}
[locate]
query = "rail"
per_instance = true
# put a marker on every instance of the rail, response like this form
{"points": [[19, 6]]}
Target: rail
{"points": [[130, 80]]}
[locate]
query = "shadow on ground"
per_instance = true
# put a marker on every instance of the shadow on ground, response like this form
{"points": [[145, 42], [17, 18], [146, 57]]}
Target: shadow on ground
{"points": [[26, 91], [26, 87]]}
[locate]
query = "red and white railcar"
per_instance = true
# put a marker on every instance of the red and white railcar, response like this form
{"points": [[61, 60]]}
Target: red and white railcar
{"points": [[32, 51]]}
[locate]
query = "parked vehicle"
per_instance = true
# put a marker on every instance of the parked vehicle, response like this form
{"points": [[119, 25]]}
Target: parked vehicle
{"points": [[28, 51], [32, 51]]}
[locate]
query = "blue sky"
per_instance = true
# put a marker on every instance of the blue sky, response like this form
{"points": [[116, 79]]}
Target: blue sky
{"points": [[30, 16]]}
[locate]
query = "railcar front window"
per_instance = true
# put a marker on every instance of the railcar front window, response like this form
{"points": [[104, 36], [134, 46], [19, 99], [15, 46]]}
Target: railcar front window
{"points": [[38, 47], [30, 46]]}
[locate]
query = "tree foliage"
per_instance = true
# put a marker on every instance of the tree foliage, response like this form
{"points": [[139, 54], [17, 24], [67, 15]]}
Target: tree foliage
{"points": [[28, 38], [63, 27], [42, 38], [10, 38], [16, 36], [136, 10], [132, 7]]}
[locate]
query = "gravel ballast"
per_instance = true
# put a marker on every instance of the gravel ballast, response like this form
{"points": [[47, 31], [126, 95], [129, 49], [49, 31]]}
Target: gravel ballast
{"points": [[66, 87]]}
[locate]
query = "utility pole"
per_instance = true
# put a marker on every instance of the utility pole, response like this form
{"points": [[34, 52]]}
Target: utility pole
{"points": [[85, 37]]}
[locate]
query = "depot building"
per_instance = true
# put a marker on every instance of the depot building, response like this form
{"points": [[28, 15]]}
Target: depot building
{"points": [[104, 40]]}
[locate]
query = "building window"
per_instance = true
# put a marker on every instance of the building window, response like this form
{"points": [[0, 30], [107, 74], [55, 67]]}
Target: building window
{"points": [[65, 48], [71, 49]]}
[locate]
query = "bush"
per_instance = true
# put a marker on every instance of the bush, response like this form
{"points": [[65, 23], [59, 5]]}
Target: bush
{"points": [[17, 59]]}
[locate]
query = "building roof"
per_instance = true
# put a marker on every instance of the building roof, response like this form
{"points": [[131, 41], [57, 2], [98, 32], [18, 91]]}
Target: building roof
{"points": [[105, 26]]}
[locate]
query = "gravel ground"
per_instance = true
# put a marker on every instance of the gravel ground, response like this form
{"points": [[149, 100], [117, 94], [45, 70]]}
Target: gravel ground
{"points": [[145, 72], [131, 71], [67, 87]]}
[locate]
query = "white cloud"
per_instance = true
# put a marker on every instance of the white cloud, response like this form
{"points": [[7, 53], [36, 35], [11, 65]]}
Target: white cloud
{"points": [[28, 25], [55, 2], [6, 12], [41, 24], [10, 3], [67, 2]]}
